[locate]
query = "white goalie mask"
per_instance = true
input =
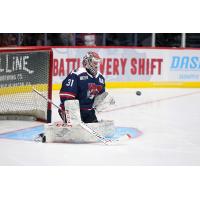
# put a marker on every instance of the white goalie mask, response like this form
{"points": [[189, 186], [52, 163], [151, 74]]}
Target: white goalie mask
{"points": [[91, 62]]}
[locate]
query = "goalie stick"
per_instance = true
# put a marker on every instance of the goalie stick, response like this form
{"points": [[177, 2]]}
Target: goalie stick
{"points": [[88, 129]]}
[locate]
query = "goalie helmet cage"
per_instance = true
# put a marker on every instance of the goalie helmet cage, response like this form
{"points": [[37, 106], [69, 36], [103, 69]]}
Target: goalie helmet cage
{"points": [[21, 70]]}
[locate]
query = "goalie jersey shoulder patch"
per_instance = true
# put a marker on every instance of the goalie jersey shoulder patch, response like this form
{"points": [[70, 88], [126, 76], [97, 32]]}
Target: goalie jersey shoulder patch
{"points": [[82, 78]]}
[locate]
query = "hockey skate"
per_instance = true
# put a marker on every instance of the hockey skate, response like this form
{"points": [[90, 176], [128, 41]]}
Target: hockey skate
{"points": [[40, 138]]}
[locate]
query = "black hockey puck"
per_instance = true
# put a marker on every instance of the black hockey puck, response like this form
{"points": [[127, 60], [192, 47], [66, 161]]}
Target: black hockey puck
{"points": [[138, 93]]}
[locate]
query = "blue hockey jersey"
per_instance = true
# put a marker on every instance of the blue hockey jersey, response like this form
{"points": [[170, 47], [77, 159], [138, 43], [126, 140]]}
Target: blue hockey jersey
{"points": [[81, 85]]}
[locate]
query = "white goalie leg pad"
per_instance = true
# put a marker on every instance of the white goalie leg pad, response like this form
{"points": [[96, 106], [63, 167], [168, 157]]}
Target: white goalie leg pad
{"points": [[103, 101], [105, 128], [72, 131], [72, 111], [61, 133], [56, 132]]}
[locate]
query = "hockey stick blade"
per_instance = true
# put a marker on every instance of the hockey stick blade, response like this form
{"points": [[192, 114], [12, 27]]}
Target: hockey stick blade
{"points": [[120, 140]]}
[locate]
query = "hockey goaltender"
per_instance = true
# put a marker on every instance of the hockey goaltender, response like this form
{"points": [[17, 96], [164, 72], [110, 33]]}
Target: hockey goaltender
{"points": [[82, 95]]}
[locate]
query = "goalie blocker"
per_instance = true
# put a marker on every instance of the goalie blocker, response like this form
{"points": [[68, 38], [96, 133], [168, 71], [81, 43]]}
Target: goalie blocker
{"points": [[72, 131]]}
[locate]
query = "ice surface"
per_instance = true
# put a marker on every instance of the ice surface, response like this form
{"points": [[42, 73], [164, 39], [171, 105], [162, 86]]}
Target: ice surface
{"points": [[168, 119]]}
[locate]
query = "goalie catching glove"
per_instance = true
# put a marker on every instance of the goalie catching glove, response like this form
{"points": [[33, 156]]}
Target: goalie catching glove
{"points": [[103, 101]]}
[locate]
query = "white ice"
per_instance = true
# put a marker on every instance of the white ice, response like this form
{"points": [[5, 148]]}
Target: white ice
{"points": [[168, 118]]}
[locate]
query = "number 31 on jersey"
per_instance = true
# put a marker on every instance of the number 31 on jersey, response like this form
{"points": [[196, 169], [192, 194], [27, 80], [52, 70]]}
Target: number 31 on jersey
{"points": [[70, 82]]}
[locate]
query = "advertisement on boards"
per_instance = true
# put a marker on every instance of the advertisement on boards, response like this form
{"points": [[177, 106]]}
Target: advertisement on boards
{"points": [[128, 66]]}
